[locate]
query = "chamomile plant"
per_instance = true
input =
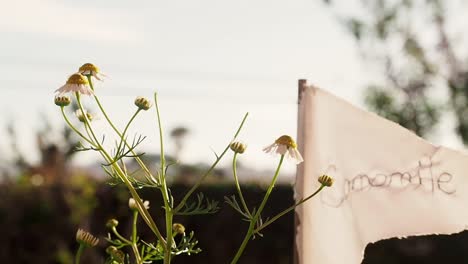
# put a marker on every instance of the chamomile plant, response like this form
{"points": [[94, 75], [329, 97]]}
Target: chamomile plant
{"points": [[171, 239]]}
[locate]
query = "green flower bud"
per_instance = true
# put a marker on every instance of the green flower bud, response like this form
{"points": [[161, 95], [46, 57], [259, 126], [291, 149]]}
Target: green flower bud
{"points": [[116, 254], [111, 223], [178, 228], [81, 117], [62, 100], [111, 249], [143, 103], [238, 147], [325, 180]]}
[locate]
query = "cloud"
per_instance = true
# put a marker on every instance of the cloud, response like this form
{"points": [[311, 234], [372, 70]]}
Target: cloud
{"points": [[56, 18]]}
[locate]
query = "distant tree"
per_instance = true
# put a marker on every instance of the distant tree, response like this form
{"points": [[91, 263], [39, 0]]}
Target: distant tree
{"points": [[418, 46], [55, 146], [178, 134]]}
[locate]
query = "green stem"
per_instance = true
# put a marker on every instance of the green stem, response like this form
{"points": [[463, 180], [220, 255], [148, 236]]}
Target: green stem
{"points": [[134, 238], [122, 139], [144, 212], [246, 240], [169, 238], [86, 120], [141, 208], [119, 236], [236, 180], [78, 253], [208, 172], [270, 189], [164, 189], [161, 141], [254, 220], [289, 209], [121, 174], [90, 81], [74, 128], [149, 175], [134, 227], [137, 254]]}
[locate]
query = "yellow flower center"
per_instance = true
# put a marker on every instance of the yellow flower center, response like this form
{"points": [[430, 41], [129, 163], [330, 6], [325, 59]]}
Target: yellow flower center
{"points": [[287, 141], [89, 67], [77, 79]]}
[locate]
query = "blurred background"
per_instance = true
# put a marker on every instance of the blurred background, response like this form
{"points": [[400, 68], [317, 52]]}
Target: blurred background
{"points": [[210, 62]]}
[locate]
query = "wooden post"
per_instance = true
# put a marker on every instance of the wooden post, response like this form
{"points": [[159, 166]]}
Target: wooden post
{"points": [[302, 83]]}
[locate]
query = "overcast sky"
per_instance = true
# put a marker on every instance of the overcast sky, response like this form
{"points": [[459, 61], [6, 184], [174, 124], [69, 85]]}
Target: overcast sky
{"points": [[209, 61]]}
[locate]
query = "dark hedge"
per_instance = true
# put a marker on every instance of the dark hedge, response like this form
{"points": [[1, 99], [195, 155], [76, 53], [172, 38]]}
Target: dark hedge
{"points": [[38, 225]]}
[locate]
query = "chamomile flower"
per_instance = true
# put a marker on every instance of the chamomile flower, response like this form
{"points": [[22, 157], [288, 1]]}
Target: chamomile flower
{"points": [[133, 205], [76, 83], [285, 145], [89, 69]]}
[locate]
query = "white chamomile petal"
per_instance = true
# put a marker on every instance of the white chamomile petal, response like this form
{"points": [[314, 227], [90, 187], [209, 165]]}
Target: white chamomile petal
{"points": [[295, 155], [76, 83], [282, 149], [285, 146], [270, 148]]}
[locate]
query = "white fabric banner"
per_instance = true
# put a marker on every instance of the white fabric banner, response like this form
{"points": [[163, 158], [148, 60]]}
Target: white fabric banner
{"points": [[388, 182]]}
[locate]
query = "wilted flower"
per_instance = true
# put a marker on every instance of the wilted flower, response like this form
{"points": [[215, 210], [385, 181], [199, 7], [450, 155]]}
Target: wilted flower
{"points": [[143, 103], [62, 100], [76, 83], [178, 228], [285, 145], [325, 180], [85, 238], [133, 205], [238, 147], [81, 117], [89, 69]]}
